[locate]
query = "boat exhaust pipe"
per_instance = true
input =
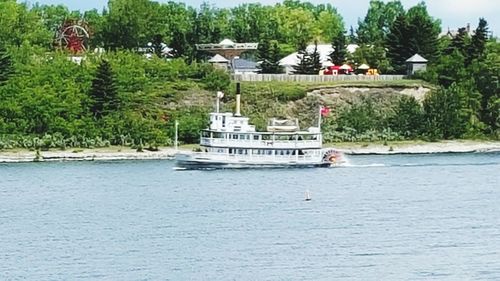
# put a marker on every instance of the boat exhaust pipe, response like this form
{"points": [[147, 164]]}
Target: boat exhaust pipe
{"points": [[238, 100]]}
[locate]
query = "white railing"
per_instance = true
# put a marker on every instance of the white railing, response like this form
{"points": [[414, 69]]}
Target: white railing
{"points": [[252, 77], [261, 143], [262, 158]]}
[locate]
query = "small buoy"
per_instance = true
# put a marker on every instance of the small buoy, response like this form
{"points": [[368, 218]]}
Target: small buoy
{"points": [[308, 196]]}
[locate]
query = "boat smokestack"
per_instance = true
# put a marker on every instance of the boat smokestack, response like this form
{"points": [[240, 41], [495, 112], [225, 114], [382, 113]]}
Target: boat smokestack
{"points": [[238, 100]]}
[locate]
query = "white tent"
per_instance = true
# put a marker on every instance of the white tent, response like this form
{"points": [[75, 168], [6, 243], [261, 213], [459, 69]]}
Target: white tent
{"points": [[324, 56], [364, 66]]}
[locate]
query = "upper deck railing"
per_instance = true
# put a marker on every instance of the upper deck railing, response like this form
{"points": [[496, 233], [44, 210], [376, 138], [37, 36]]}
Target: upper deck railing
{"points": [[262, 144]]}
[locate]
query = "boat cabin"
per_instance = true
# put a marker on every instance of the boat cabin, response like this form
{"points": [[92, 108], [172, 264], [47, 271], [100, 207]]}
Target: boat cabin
{"points": [[227, 122]]}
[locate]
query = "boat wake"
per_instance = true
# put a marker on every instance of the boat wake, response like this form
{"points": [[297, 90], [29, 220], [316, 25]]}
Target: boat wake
{"points": [[374, 165]]}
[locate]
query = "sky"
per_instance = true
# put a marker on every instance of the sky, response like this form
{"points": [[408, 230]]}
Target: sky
{"points": [[452, 13]]}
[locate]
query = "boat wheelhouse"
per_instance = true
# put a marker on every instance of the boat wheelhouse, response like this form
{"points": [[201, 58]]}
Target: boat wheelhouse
{"points": [[232, 142]]}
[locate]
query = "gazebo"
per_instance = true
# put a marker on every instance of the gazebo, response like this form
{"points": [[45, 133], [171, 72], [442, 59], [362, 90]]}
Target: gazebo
{"points": [[415, 63], [219, 61]]}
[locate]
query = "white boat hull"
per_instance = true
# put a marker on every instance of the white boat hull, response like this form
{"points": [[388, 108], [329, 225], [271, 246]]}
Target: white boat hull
{"points": [[208, 161]]}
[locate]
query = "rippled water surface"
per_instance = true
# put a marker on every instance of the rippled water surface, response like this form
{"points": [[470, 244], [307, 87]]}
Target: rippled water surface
{"points": [[379, 218]]}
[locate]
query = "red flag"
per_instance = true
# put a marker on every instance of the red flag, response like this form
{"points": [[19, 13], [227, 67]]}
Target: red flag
{"points": [[324, 111]]}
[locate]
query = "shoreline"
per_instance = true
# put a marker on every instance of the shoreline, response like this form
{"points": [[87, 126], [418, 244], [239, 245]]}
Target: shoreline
{"points": [[164, 153], [455, 146]]}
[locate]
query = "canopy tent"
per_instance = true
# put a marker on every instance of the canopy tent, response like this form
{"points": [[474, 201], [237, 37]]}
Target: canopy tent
{"points": [[364, 66], [346, 67]]}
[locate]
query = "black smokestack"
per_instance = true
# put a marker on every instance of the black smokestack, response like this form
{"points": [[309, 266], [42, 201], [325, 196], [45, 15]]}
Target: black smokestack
{"points": [[237, 113]]}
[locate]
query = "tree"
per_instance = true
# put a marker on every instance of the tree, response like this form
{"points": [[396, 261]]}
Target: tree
{"points": [[380, 16], [412, 33], [338, 56], [315, 60], [157, 45], [478, 41], [397, 41], [459, 42], [309, 62], [304, 63], [128, 24], [103, 93], [269, 56], [444, 113], [352, 36], [486, 73], [408, 117], [5, 66], [374, 56]]}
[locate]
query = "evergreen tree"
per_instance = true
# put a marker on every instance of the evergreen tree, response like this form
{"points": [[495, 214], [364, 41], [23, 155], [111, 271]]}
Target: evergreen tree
{"points": [[413, 33], [5, 66], [352, 36], [269, 56], [478, 41], [338, 56], [315, 60], [397, 40], [103, 93], [304, 63], [459, 42]]}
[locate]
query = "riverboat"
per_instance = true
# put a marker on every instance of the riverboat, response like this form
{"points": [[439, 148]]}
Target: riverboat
{"points": [[232, 142]]}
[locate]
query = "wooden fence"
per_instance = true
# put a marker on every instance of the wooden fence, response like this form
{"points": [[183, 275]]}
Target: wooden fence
{"points": [[252, 77]]}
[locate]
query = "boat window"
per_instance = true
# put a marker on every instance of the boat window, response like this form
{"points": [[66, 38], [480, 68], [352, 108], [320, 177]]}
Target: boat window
{"points": [[205, 134], [256, 137], [223, 121], [266, 137], [235, 137]]}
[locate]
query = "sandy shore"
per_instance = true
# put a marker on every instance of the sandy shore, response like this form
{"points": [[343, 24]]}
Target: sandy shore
{"points": [[115, 153], [423, 148], [86, 155]]}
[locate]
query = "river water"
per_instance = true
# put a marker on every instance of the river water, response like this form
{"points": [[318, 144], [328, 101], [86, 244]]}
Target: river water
{"points": [[401, 217]]}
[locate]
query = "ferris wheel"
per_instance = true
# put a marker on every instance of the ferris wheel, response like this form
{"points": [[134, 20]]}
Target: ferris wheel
{"points": [[73, 36]]}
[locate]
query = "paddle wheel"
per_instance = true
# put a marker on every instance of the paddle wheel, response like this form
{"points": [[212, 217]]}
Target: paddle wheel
{"points": [[74, 36]]}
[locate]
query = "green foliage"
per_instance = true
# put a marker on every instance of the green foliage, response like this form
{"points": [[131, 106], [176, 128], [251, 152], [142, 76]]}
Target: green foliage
{"points": [[444, 114], [338, 56], [374, 56], [217, 80], [269, 55], [412, 33], [407, 118], [103, 94], [478, 41], [5, 66], [380, 16]]}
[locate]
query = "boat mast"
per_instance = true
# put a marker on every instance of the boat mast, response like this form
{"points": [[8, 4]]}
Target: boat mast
{"points": [[176, 141], [319, 118]]}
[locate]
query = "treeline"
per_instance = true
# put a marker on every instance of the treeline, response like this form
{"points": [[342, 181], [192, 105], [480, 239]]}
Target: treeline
{"points": [[118, 98], [280, 29]]}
